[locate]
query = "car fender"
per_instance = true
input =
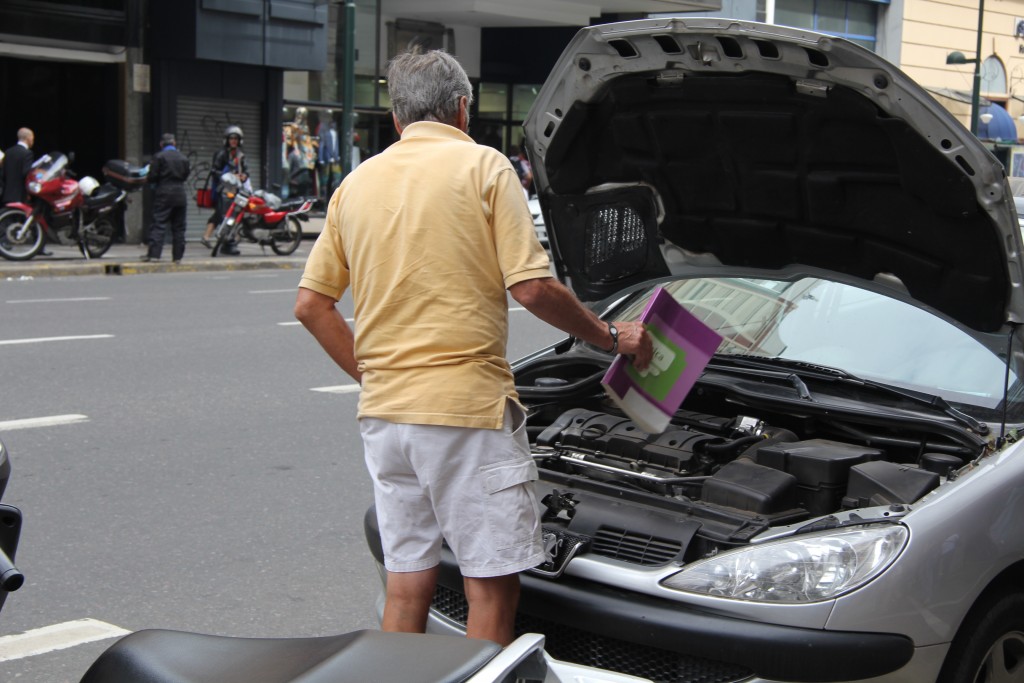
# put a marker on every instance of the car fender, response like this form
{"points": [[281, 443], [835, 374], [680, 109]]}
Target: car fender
{"points": [[962, 536]]}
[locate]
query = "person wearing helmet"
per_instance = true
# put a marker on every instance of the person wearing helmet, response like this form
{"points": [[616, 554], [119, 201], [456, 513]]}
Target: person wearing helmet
{"points": [[228, 159], [170, 170]]}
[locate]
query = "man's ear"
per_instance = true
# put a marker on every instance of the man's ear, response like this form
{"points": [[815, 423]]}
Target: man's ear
{"points": [[398, 126], [462, 118]]}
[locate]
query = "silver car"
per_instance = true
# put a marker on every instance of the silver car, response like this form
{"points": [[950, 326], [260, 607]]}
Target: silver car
{"points": [[840, 497]]}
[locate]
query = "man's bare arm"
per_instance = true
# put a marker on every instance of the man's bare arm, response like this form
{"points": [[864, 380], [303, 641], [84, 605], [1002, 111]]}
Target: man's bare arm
{"points": [[318, 314], [552, 302]]}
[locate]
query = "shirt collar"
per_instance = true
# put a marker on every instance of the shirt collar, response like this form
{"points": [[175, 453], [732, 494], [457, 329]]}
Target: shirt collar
{"points": [[22, 144], [433, 129]]}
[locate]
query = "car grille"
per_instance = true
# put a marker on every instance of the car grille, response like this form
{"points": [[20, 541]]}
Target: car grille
{"points": [[630, 546], [580, 647]]}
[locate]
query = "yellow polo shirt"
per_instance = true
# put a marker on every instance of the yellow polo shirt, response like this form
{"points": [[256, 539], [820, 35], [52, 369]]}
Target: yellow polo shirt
{"points": [[429, 234]]}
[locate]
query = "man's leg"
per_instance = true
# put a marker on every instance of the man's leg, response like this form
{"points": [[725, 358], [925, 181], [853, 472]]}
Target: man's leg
{"points": [[161, 221], [407, 602], [492, 607], [178, 234]]}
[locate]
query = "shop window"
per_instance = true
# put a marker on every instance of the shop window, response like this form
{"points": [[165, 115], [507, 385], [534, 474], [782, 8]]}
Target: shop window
{"points": [[492, 101], [501, 109], [851, 19], [523, 97]]}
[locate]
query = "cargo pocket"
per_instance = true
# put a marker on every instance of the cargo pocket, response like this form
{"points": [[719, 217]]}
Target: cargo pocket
{"points": [[511, 504]]}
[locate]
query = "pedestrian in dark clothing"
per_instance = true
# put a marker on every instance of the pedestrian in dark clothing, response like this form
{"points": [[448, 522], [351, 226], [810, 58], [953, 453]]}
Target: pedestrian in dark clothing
{"points": [[17, 164], [169, 171]]}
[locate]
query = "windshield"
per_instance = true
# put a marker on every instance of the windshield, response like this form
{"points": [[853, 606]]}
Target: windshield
{"points": [[841, 326], [50, 166]]}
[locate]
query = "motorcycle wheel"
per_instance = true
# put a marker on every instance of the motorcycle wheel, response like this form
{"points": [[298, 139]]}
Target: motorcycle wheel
{"points": [[221, 237], [98, 238], [286, 239], [19, 247]]}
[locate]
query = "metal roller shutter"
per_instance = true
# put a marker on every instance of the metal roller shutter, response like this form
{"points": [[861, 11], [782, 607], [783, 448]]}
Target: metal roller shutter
{"points": [[201, 124]]}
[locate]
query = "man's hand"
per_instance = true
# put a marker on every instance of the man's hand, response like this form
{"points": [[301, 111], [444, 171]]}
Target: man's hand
{"points": [[635, 341]]}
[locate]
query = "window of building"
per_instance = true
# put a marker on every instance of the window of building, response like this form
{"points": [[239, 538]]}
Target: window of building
{"points": [[851, 19], [993, 75], [501, 109]]}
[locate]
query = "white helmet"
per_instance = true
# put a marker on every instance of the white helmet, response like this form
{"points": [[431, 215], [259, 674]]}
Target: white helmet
{"points": [[88, 185]]}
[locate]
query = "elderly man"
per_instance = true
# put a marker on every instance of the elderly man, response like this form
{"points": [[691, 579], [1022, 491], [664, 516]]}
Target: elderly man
{"points": [[430, 234], [17, 162]]}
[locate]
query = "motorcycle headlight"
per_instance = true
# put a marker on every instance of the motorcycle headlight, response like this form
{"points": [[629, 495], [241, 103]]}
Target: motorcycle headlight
{"points": [[797, 570], [35, 188]]}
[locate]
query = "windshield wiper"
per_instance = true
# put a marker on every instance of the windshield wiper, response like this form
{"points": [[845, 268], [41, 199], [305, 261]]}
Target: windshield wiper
{"points": [[743, 366], [824, 372]]}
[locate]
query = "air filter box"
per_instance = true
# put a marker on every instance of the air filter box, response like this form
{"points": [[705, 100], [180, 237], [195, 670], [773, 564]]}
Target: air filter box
{"points": [[886, 483], [821, 468], [745, 485]]}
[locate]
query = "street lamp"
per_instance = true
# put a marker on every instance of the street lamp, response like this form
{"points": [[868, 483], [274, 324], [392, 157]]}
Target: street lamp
{"points": [[959, 58]]}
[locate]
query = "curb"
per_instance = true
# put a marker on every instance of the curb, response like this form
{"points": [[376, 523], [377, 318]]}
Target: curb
{"points": [[129, 264], [140, 268]]}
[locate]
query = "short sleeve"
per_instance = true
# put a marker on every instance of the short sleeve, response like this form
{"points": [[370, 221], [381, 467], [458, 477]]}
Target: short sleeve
{"points": [[327, 269], [520, 254]]}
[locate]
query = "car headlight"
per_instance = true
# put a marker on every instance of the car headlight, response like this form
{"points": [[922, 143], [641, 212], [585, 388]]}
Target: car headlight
{"points": [[797, 570]]}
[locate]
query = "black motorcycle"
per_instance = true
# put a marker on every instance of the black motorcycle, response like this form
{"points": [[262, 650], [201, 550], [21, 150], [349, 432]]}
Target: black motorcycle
{"points": [[10, 530]]}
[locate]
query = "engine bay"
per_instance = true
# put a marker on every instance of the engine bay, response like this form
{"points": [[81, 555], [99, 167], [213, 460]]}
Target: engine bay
{"points": [[725, 470]]}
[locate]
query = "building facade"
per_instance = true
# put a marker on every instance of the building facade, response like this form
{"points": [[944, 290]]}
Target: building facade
{"points": [[104, 78]]}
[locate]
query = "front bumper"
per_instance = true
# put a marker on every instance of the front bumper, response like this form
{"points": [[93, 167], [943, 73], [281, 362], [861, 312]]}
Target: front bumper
{"points": [[596, 625]]}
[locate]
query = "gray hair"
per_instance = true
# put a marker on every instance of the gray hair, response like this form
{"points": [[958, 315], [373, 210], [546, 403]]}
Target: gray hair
{"points": [[427, 87]]}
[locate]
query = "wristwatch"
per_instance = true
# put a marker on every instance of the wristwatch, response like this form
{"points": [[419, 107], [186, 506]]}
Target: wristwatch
{"points": [[614, 332]]}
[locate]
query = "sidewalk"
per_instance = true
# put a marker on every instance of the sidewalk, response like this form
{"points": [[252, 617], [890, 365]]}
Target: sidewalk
{"points": [[124, 259]]}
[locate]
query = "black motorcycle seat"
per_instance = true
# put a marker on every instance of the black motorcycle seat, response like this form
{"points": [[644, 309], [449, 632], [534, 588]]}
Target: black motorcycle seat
{"points": [[161, 656], [103, 195]]}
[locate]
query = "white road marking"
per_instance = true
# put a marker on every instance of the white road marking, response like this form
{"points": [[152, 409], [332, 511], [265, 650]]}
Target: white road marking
{"points": [[340, 389], [272, 291], [51, 421], [50, 301], [57, 637], [52, 339]]}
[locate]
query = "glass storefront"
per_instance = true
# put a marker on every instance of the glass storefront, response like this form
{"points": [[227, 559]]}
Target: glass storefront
{"points": [[855, 20], [501, 109], [312, 115]]}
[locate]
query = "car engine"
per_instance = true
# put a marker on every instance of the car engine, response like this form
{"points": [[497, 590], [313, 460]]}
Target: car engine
{"points": [[724, 471]]}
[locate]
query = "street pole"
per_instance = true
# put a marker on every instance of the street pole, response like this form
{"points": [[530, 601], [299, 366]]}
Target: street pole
{"points": [[348, 97], [976, 92]]}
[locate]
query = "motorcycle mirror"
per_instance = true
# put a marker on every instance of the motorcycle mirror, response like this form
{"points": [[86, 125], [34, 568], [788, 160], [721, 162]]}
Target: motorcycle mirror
{"points": [[71, 157]]}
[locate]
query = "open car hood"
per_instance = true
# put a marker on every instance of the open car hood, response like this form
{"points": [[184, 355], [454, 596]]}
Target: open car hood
{"points": [[668, 144]]}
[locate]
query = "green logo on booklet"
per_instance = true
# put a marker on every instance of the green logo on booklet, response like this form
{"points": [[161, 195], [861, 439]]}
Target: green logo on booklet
{"points": [[667, 366]]}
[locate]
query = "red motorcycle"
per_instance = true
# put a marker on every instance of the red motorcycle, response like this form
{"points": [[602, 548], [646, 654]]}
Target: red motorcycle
{"points": [[259, 217], [65, 211]]}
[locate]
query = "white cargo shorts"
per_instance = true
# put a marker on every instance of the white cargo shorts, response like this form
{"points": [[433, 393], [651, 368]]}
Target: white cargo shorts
{"points": [[471, 487]]}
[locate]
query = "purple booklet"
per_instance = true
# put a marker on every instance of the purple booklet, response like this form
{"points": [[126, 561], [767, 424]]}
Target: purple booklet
{"points": [[682, 347]]}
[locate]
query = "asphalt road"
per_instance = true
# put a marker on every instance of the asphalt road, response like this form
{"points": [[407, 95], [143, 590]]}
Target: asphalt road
{"points": [[194, 475]]}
